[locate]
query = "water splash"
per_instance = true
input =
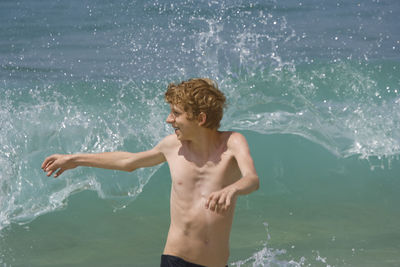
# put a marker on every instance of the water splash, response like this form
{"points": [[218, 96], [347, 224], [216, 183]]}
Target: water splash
{"points": [[38, 122], [339, 106], [267, 257], [270, 257]]}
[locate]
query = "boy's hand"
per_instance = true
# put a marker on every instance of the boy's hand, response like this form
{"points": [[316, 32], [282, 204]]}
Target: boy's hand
{"points": [[57, 162], [222, 200]]}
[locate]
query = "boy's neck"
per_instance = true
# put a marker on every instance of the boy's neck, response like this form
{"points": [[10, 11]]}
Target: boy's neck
{"points": [[205, 142]]}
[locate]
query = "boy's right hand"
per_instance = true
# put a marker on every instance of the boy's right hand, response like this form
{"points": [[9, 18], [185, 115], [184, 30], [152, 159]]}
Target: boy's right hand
{"points": [[57, 162]]}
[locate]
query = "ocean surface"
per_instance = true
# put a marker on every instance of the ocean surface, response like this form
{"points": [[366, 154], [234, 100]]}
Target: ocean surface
{"points": [[313, 85]]}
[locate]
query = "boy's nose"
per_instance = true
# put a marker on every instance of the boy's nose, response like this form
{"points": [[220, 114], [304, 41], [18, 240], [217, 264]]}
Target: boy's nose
{"points": [[170, 118]]}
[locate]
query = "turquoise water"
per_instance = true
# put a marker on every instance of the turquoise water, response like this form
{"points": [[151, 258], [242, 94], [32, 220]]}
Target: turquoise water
{"points": [[313, 85]]}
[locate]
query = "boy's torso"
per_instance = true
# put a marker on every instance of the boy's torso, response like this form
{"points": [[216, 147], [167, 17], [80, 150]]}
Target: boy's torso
{"points": [[197, 234]]}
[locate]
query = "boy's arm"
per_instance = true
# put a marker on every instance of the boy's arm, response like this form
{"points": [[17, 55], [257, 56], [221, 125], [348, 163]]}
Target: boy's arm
{"points": [[222, 199], [124, 161]]}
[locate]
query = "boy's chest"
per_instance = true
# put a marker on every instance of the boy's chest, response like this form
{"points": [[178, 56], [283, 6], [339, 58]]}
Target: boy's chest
{"points": [[190, 171]]}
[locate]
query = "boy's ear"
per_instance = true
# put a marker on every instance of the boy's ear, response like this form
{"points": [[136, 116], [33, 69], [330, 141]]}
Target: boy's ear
{"points": [[202, 118]]}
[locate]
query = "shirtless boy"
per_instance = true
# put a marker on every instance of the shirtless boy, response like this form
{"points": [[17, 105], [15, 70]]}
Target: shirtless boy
{"points": [[209, 170]]}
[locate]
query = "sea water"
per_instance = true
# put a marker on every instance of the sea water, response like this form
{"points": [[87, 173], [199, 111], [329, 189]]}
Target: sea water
{"points": [[313, 85]]}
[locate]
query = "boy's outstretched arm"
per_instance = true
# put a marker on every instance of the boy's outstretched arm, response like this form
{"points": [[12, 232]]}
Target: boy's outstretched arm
{"points": [[124, 161]]}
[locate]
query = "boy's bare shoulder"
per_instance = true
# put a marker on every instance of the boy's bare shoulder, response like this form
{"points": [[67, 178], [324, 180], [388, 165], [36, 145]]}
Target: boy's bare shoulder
{"points": [[169, 142], [234, 138], [235, 141]]}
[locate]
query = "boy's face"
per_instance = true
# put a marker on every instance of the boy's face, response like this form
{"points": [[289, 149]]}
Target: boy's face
{"points": [[184, 128]]}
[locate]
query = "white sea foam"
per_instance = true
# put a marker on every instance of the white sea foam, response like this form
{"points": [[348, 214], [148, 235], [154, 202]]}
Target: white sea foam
{"points": [[270, 257], [339, 111], [37, 123]]}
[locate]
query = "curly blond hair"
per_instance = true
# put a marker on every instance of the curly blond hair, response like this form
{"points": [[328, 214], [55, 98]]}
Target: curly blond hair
{"points": [[198, 95]]}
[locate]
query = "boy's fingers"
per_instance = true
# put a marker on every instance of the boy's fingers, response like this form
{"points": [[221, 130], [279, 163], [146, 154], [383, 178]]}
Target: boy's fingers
{"points": [[214, 204], [53, 166], [49, 164], [218, 202], [45, 163], [210, 200], [227, 202], [59, 173], [221, 200]]}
